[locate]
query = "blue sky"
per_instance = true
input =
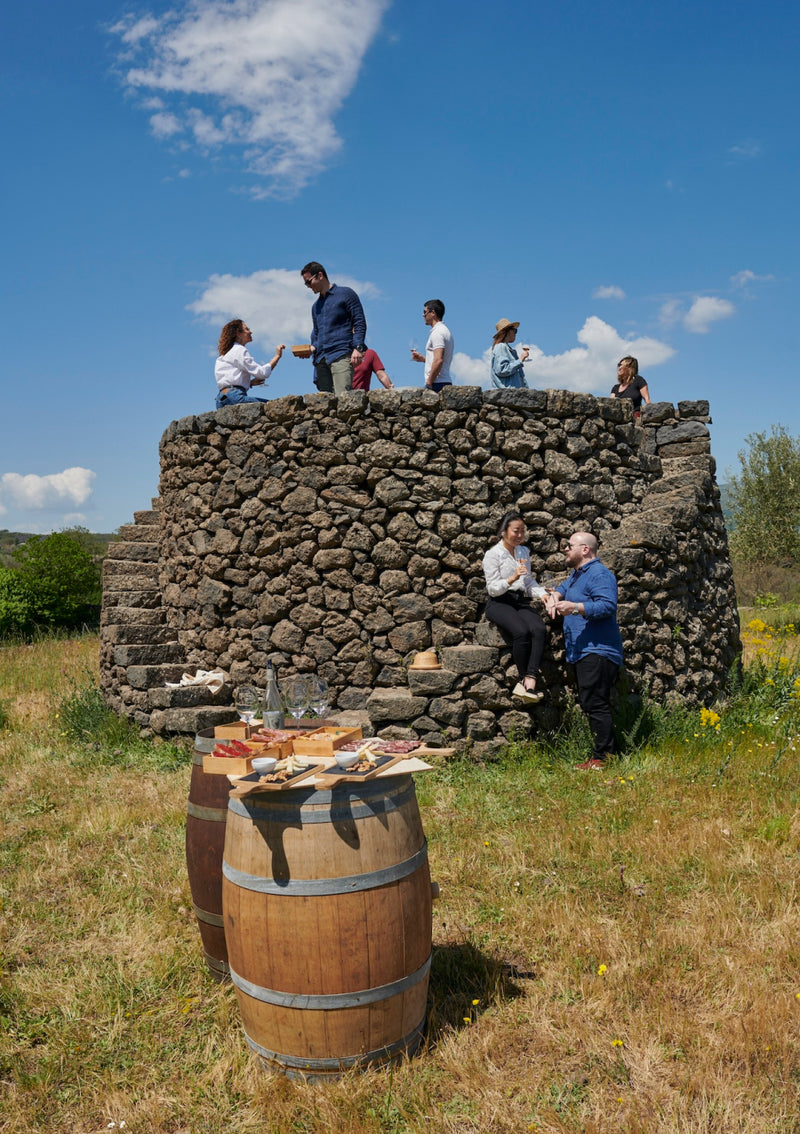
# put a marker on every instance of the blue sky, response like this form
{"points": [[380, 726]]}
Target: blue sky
{"points": [[619, 178]]}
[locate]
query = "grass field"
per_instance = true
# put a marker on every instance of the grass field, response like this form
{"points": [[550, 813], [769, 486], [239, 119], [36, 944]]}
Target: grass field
{"points": [[613, 952]]}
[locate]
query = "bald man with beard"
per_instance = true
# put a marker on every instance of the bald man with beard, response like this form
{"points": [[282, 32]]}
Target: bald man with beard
{"points": [[587, 602]]}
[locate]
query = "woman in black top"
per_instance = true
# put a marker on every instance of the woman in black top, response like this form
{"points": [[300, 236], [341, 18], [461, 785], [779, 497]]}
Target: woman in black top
{"points": [[630, 383]]}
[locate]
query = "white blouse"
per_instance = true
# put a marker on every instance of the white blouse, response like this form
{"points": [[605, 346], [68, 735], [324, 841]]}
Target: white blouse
{"points": [[499, 564], [238, 368]]}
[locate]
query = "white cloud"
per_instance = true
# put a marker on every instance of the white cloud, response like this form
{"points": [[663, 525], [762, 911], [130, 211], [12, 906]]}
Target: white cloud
{"points": [[164, 125], [52, 491], [743, 278], [269, 74], [274, 302], [698, 317], [132, 31], [670, 312], [472, 371], [590, 368], [746, 150], [705, 310], [73, 520], [610, 292]]}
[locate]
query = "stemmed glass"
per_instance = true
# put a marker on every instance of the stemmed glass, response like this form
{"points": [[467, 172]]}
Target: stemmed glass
{"points": [[246, 704], [521, 555], [318, 695], [296, 696]]}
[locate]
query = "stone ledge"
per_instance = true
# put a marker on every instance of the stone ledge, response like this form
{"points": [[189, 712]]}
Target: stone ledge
{"points": [[164, 721], [394, 705], [140, 654], [469, 659]]}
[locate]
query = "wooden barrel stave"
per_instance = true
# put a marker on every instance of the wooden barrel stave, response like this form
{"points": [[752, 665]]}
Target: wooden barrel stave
{"points": [[206, 819]]}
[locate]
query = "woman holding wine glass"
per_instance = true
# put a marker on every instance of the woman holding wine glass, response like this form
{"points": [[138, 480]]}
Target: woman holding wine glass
{"points": [[507, 569]]}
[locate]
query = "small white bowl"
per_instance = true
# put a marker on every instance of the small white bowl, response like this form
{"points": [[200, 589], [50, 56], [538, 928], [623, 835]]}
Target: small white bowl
{"points": [[347, 759], [264, 764]]}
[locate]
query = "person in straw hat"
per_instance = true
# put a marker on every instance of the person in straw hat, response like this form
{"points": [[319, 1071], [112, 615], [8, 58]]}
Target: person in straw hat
{"points": [[508, 372]]}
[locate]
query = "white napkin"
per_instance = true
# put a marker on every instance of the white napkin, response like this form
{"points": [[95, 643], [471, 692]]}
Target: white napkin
{"points": [[213, 678]]}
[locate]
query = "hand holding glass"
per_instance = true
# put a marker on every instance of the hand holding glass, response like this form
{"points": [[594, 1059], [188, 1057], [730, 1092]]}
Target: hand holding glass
{"points": [[521, 555]]}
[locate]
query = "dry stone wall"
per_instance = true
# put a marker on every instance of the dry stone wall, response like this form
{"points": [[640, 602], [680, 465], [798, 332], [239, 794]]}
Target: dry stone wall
{"points": [[342, 535]]}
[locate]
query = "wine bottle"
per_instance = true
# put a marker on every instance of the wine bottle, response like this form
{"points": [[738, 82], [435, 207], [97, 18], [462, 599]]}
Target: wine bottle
{"points": [[272, 712]]}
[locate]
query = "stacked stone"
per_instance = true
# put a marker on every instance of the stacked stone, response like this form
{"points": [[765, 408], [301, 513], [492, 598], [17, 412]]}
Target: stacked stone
{"points": [[342, 535], [139, 651], [678, 606]]}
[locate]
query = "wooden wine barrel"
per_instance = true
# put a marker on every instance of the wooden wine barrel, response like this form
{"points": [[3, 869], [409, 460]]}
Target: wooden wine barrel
{"points": [[327, 908], [206, 817]]}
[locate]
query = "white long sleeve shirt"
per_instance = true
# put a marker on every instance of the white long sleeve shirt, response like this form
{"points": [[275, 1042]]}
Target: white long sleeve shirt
{"points": [[238, 368], [499, 564]]}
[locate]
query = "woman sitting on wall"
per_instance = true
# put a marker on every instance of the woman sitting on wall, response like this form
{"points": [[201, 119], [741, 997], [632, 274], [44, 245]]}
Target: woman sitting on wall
{"points": [[508, 373], [630, 383], [511, 586], [235, 370]]}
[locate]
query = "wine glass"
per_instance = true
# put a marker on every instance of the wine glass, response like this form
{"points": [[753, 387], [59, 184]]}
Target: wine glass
{"points": [[318, 695], [296, 696], [246, 704], [522, 555]]}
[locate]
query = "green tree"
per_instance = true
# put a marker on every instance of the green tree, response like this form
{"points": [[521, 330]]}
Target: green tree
{"points": [[16, 604], [61, 573], [765, 499]]}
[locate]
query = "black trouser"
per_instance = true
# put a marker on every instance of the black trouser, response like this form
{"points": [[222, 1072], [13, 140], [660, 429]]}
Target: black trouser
{"points": [[596, 676], [523, 630]]}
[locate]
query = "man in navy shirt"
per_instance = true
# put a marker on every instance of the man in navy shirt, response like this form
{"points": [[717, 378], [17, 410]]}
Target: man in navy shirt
{"points": [[340, 329], [588, 604]]}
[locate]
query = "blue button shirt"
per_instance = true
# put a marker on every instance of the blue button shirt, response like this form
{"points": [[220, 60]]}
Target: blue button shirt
{"points": [[339, 323], [596, 632]]}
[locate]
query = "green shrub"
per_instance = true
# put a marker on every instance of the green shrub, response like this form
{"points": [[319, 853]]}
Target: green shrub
{"points": [[61, 576], [105, 737], [17, 616]]}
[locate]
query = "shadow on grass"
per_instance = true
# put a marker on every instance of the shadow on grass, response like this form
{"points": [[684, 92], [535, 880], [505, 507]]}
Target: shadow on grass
{"points": [[464, 982]]}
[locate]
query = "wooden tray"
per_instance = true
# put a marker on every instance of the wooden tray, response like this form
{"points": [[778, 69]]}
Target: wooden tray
{"points": [[324, 741], [227, 765], [252, 783], [239, 765], [235, 731], [348, 775], [423, 750]]}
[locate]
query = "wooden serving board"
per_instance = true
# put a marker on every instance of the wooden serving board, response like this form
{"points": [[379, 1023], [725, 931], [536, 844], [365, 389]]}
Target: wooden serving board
{"points": [[247, 785], [333, 774], [424, 751]]}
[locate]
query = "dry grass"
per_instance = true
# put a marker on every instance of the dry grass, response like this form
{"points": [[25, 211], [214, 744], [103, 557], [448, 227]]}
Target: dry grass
{"points": [[614, 952]]}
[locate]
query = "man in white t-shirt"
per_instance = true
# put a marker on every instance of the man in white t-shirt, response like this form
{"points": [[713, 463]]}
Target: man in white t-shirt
{"points": [[438, 349]]}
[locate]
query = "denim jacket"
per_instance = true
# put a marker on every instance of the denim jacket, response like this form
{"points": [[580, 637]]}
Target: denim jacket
{"points": [[507, 370]]}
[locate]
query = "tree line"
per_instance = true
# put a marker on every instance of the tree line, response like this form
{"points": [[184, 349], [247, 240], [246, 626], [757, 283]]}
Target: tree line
{"points": [[53, 582]]}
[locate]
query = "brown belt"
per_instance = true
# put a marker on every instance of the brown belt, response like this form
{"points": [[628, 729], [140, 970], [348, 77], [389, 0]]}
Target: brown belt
{"points": [[228, 389]]}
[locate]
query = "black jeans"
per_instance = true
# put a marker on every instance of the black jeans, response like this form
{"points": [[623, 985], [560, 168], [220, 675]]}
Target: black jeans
{"points": [[523, 630], [596, 676]]}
